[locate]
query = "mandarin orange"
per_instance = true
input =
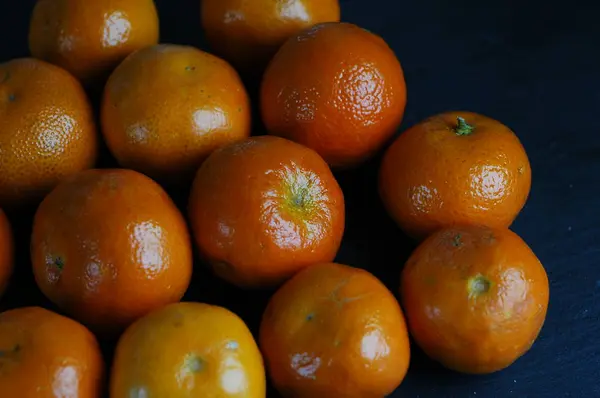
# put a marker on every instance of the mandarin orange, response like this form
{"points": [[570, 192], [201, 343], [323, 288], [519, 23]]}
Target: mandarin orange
{"points": [[47, 355], [337, 89], [475, 297], [454, 168], [90, 38], [47, 130], [167, 107], [109, 246], [249, 33], [335, 331], [188, 350], [264, 208]]}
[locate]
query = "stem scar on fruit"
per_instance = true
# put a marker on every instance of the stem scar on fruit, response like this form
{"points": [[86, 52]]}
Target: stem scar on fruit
{"points": [[478, 286], [300, 197], [462, 127], [59, 263], [5, 353], [194, 364], [457, 242]]}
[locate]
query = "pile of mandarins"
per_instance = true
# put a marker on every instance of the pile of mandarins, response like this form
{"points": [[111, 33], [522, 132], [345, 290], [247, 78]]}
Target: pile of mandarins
{"points": [[111, 249]]}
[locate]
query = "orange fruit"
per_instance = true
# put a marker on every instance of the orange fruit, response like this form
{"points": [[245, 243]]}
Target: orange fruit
{"points": [[263, 209], [188, 350], [249, 33], [334, 331], [90, 38], [46, 355], [6, 252], [109, 246], [47, 130], [454, 168], [167, 107], [337, 89], [475, 297]]}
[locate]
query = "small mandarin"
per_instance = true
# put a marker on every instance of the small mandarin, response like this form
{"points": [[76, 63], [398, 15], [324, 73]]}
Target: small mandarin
{"points": [[249, 33], [47, 130], [90, 38], [337, 89], [46, 355], [188, 350], [454, 168], [335, 331], [475, 297], [167, 107]]}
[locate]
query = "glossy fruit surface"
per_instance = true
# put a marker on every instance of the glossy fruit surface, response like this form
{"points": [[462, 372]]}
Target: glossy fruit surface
{"points": [[335, 331], [263, 209], [167, 107], [90, 38], [475, 297], [108, 246], [455, 168], [188, 350], [46, 355], [47, 130], [249, 33], [337, 89]]}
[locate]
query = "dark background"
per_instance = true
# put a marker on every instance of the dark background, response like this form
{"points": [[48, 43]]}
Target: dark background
{"points": [[532, 65]]}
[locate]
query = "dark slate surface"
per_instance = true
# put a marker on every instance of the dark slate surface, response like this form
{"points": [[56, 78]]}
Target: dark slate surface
{"points": [[534, 66]]}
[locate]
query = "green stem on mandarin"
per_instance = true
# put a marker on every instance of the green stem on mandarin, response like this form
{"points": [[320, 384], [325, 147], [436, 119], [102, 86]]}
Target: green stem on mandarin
{"points": [[14, 350], [463, 128]]}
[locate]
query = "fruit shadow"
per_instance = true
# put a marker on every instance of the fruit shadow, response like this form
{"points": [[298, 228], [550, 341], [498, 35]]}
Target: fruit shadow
{"points": [[22, 291], [248, 304], [432, 379], [372, 240]]}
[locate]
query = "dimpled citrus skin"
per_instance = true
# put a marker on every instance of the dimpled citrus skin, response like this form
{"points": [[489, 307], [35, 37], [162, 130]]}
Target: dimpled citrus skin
{"points": [[335, 331], [108, 246], [432, 177], [167, 107], [337, 89], [188, 350], [6, 252], [47, 130], [90, 38], [249, 33], [264, 208], [475, 297], [47, 355]]}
